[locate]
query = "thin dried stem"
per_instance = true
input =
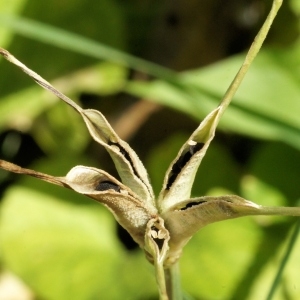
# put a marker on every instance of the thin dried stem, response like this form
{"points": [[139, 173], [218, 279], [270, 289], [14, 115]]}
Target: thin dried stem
{"points": [[19, 170]]}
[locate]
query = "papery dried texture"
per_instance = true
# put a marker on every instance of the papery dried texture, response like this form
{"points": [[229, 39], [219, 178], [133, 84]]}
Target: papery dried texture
{"points": [[156, 248], [163, 234], [180, 176], [129, 166], [129, 210], [125, 205], [184, 219]]}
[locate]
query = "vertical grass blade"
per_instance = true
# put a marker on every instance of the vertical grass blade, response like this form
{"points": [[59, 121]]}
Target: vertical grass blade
{"points": [[284, 261]]}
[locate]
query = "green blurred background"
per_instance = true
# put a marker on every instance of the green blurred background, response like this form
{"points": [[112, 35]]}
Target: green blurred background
{"points": [[64, 246]]}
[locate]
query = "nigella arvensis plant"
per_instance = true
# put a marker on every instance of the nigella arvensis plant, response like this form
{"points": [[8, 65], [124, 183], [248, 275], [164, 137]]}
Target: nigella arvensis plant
{"points": [[161, 226]]}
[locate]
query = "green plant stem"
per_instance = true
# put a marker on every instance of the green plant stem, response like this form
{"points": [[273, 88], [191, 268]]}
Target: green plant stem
{"points": [[284, 261], [161, 281], [279, 211], [253, 51], [172, 276]]}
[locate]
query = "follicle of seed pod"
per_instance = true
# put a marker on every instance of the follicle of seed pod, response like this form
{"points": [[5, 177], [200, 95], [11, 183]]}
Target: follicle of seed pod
{"points": [[183, 160], [107, 185]]}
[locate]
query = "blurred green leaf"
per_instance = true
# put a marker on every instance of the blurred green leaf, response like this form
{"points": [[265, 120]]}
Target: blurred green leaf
{"points": [[101, 21], [277, 165], [218, 170], [60, 130], [69, 241], [211, 266], [51, 241], [258, 109], [260, 192], [21, 108], [295, 5], [266, 105], [285, 258], [290, 279], [74, 42], [61, 237], [12, 7]]}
